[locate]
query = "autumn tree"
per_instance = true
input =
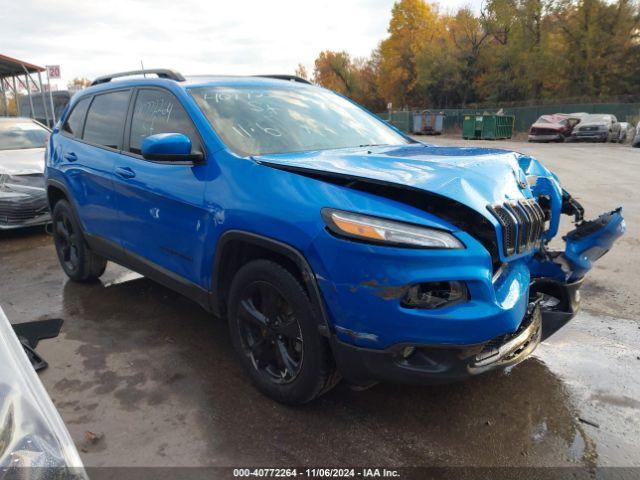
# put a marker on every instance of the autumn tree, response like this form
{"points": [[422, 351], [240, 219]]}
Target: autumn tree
{"points": [[354, 78], [334, 70], [78, 83], [301, 71], [414, 24], [513, 50]]}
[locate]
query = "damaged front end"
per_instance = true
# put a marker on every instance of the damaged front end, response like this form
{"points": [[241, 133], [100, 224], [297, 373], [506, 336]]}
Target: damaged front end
{"points": [[23, 200], [556, 276], [427, 315]]}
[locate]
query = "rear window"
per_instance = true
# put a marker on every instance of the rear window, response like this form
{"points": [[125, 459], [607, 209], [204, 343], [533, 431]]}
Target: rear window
{"points": [[105, 119], [74, 122]]}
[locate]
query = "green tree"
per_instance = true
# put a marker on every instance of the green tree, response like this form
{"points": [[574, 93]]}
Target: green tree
{"points": [[600, 38]]}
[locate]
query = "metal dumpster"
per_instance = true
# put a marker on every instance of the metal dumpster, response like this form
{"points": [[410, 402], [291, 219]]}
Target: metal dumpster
{"points": [[427, 123], [487, 127]]}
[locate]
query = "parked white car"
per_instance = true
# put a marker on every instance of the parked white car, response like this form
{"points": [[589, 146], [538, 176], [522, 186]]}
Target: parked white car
{"points": [[23, 200]]}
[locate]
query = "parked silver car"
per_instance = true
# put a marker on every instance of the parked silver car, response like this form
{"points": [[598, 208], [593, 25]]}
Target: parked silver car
{"points": [[23, 200], [599, 127], [636, 139], [626, 132]]}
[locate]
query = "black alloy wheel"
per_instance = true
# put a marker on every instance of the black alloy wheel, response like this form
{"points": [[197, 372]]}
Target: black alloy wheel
{"points": [[77, 260], [274, 330], [270, 333], [66, 241]]}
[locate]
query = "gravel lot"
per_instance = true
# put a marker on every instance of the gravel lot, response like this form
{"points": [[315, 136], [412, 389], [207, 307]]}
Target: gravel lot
{"points": [[155, 376]]}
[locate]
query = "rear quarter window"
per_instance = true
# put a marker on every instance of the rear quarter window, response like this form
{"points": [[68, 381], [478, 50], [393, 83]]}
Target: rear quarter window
{"points": [[105, 119]]}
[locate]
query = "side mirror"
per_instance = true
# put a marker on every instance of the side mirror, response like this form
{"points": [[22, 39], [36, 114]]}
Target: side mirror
{"points": [[170, 147]]}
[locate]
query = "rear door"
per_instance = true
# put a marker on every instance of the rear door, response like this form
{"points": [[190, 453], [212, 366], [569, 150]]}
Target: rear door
{"points": [[161, 204], [90, 143]]}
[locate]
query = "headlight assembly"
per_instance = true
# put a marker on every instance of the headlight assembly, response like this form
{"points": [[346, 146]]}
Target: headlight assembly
{"points": [[388, 232], [21, 183]]}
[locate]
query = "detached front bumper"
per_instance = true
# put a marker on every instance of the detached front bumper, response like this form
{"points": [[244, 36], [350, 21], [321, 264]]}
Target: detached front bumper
{"points": [[429, 364]]}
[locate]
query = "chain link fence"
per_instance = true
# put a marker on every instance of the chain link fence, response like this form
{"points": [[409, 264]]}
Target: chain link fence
{"points": [[524, 115]]}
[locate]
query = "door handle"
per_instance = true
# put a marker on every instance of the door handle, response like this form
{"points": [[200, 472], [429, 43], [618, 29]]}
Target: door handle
{"points": [[71, 157], [125, 172]]}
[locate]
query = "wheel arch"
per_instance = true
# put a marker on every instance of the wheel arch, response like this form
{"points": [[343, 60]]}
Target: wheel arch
{"points": [[237, 247], [56, 191]]}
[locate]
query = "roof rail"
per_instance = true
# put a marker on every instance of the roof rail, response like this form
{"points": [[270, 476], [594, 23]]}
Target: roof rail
{"points": [[290, 78], [160, 72]]}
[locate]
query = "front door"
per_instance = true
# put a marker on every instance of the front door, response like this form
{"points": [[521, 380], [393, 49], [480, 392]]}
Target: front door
{"points": [[161, 204]]}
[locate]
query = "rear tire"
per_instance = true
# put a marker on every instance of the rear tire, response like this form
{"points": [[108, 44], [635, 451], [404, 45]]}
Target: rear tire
{"points": [[76, 259], [275, 334]]}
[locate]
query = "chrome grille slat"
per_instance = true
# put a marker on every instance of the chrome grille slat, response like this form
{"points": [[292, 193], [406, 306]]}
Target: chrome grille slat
{"points": [[522, 224]]}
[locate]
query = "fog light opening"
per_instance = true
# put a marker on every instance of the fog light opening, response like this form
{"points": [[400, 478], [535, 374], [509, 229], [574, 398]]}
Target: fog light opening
{"points": [[431, 295]]}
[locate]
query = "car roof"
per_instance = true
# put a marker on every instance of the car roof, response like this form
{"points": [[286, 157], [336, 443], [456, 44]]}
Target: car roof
{"points": [[192, 82]]}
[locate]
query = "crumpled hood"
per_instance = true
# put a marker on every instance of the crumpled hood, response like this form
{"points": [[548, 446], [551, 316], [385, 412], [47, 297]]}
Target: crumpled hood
{"points": [[22, 162], [475, 177]]}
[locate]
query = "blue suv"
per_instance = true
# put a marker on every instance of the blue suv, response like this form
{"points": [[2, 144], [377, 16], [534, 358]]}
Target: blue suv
{"points": [[334, 245]]}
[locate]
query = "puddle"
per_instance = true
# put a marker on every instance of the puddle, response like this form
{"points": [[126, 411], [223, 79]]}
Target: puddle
{"points": [[597, 358]]}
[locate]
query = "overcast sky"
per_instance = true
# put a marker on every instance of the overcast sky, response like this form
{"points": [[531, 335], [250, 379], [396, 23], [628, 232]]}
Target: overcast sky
{"points": [[89, 38]]}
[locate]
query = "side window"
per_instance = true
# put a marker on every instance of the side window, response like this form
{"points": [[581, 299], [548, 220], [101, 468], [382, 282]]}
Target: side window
{"points": [[105, 119], [74, 122], [156, 112]]}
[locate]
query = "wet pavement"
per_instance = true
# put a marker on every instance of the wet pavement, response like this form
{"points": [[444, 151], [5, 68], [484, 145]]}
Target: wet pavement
{"points": [[155, 377]]}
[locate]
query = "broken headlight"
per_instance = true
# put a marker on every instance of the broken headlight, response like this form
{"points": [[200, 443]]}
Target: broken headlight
{"points": [[430, 295], [380, 230]]}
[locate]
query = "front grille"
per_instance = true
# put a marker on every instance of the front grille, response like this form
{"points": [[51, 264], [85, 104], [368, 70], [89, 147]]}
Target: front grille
{"points": [[589, 129], [522, 224], [16, 212]]}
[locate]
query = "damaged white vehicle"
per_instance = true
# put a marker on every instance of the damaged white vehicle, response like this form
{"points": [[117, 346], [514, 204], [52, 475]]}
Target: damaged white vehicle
{"points": [[23, 201]]}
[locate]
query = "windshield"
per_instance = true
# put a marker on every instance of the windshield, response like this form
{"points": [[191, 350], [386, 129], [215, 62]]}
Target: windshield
{"points": [[551, 119], [20, 135], [258, 121], [597, 118]]}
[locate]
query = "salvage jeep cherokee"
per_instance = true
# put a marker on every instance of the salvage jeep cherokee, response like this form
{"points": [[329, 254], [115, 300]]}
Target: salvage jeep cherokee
{"points": [[335, 245]]}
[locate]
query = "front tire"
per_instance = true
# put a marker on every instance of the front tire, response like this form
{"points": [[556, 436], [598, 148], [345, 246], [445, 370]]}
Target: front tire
{"points": [[275, 334], [76, 259]]}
